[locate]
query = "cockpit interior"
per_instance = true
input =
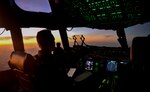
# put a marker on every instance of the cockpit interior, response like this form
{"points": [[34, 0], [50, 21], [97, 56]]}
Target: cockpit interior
{"points": [[88, 68]]}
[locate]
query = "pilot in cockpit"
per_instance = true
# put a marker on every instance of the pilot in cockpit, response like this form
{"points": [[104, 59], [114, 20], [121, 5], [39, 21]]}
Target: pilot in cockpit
{"points": [[50, 74]]}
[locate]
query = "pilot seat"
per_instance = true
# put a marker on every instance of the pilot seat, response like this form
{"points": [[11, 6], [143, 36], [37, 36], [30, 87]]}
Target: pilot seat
{"points": [[140, 59], [23, 64]]}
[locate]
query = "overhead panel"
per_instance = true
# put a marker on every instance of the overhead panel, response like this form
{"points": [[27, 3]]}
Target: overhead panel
{"points": [[106, 12]]}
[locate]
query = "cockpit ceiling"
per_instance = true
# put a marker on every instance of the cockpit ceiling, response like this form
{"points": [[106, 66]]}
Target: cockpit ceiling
{"points": [[100, 14]]}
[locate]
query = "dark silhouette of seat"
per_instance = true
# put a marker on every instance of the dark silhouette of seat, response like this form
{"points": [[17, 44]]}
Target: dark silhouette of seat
{"points": [[24, 67], [140, 59]]}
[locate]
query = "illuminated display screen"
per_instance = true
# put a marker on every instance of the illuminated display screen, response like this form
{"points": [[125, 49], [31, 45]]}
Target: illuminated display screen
{"points": [[107, 11]]}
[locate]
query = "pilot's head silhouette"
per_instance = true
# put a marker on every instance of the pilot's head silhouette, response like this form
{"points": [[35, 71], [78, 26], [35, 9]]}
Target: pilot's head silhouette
{"points": [[58, 44], [46, 40]]}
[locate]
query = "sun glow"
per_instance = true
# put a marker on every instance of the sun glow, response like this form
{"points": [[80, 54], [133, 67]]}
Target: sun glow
{"points": [[5, 41], [8, 42], [29, 40], [26, 40]]}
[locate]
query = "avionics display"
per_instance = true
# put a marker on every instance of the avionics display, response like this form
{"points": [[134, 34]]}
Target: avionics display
{"points": [[89, 64], [111, 66]]}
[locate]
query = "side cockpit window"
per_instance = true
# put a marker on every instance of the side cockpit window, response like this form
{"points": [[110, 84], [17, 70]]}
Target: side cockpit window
{"points": [[34, 5]]}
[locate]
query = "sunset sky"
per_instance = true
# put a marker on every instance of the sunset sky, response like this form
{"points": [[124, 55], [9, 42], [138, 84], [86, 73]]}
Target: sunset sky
{"points": [[92, 36]]}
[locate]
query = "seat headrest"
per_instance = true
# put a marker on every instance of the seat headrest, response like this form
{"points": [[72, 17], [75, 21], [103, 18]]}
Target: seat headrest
{"points": [[22, 61]]}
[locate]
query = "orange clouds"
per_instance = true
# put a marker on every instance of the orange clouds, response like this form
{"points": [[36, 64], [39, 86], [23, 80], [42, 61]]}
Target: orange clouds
{"points": [[101, 38]]}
